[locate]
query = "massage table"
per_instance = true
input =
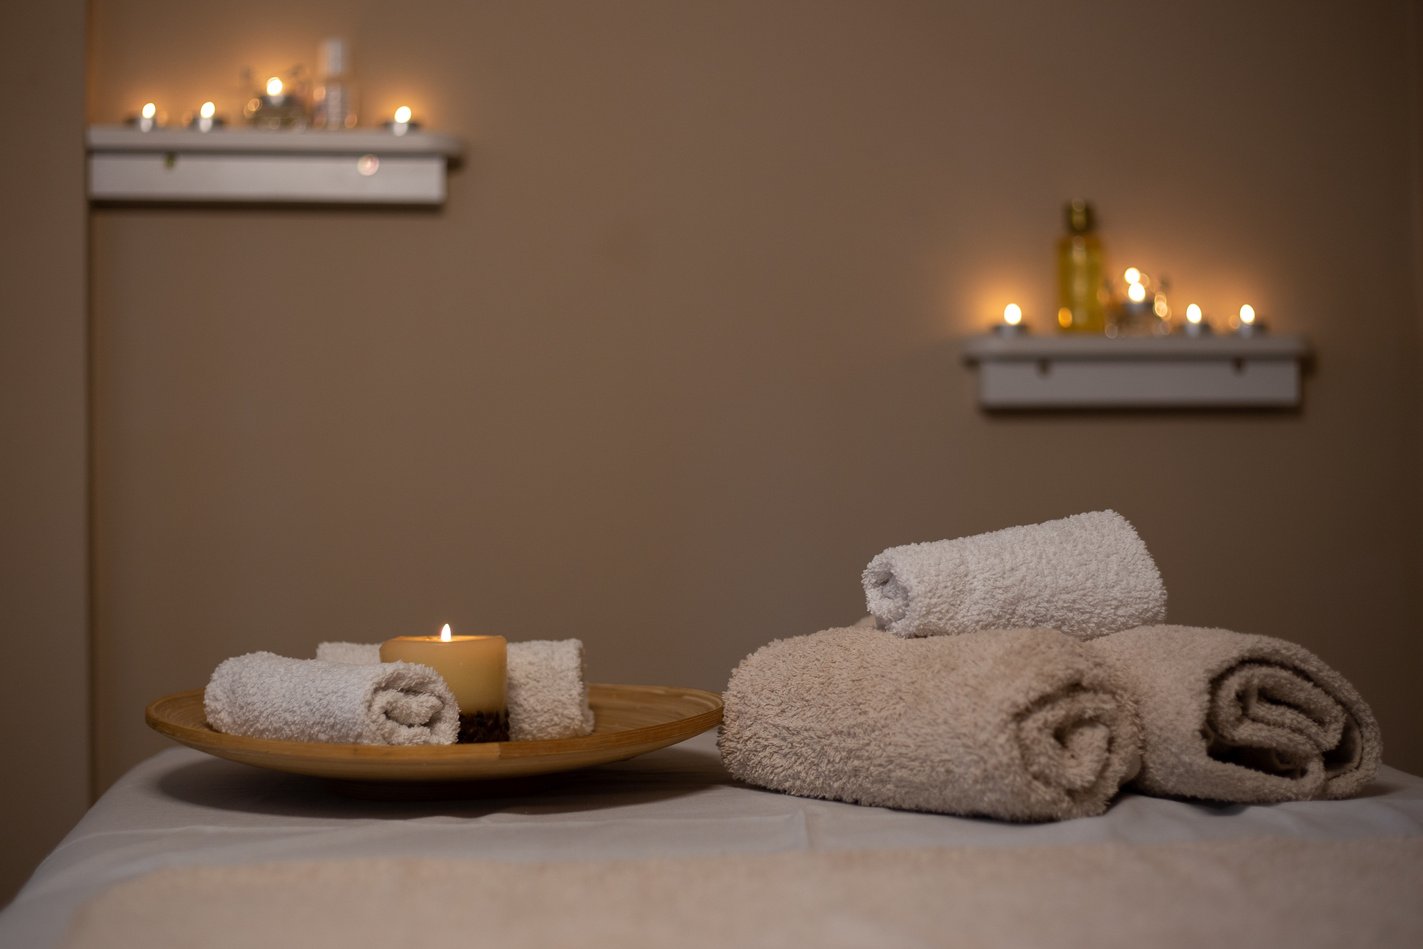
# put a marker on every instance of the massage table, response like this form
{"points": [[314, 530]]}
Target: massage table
{"points": [[663, 845]]}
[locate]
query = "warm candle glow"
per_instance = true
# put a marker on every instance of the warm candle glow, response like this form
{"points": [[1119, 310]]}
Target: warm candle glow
{"points": [[1136, 293], [274, 87], [149, 110], [207, 110], [445, 633], [402, 115], [1132, 275], [1012, 314], [1247, 314], [1193, 313]]}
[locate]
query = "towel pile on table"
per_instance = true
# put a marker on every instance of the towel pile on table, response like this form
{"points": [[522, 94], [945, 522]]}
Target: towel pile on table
{"points": [[346, 694], [1026, 674]]}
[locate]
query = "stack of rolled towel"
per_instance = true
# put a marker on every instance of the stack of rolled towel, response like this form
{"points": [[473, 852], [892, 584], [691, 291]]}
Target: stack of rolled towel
{"points": [[346, 694], [1025, 674]]}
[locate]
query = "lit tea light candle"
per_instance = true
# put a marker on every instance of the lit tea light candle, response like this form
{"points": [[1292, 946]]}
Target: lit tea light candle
{"points": [[207, 119], [400, 122], [1196, 324], [1249, 325], [1012, 324], [147, 118], [276, 107], [475, 669], [1160, 306]]}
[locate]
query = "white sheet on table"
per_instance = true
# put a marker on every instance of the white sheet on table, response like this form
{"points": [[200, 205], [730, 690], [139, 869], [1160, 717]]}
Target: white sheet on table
{"points": [[182, 807]]}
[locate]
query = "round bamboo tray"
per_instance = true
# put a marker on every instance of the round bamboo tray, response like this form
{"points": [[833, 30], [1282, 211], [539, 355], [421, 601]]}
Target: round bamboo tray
{"points": [[631, 720]]}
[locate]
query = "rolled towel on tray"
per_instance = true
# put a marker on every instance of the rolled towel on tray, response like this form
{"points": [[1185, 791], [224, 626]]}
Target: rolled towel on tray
{"points": [[263, 695], [1020, 724], [1243, 718], [1085, 575], [547, 696]]}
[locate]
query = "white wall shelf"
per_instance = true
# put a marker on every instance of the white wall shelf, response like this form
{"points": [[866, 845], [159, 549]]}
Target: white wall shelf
{"points": [[1094, 372], [359, 166]]}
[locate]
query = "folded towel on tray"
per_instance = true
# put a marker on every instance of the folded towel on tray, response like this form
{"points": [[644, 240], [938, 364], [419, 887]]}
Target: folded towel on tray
{"points": [[1021, 724], [547, 697], [263, 695], [1236, 717], [1085, 575], [360, 653]]}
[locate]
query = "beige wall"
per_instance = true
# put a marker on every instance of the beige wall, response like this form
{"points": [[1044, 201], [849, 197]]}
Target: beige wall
{"points": [[1417, 124], [43, 504], [681, 352]]}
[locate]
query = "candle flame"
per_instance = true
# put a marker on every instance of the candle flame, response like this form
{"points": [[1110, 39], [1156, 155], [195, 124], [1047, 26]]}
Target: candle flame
{"points": [[149, 110], [1136, 293], [274, 86], [207, 110], [1247, 314], [1193, 313], [1132, 275], [445, 634], [1012, 314], [402, 115]]}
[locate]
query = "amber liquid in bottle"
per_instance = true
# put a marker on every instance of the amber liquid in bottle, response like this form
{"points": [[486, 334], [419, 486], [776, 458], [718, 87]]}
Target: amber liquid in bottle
{"points": [[1081, 307]]}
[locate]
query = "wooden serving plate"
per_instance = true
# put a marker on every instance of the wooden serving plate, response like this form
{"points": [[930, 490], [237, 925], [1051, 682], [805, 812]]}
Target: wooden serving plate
{"points": [[631, 720]]}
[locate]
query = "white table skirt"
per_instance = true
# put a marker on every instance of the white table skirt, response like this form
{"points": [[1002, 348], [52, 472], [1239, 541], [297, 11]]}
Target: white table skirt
{"points": [[182, 807]]}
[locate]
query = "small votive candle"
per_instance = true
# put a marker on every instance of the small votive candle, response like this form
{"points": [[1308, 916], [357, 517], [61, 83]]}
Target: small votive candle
{"points": [[277, 108], [475, 669], [206, 120], [1249, 324], [147, 118], [1012, 324], [1196, 324], [400, 122]]}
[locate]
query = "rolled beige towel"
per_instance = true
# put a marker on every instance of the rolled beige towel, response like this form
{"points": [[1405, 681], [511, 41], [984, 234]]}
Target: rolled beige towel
{"points": [[263, 695], [1020, 724], [547, 694], [1237, 717], [1085, 575]]}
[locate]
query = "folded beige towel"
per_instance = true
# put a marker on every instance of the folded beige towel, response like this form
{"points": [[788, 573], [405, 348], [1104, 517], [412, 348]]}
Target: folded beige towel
{"points": [[1236, 717], [1086, 575], [263, 695], [1021, 724], [547, 696]]}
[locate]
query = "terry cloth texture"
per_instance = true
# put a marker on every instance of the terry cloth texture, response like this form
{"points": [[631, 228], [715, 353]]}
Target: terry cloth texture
{"points": [[547, 696], [1257, 892], [263, 695], [360, 653], [1086, 575], [1236, 717], [1020, 724]]}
